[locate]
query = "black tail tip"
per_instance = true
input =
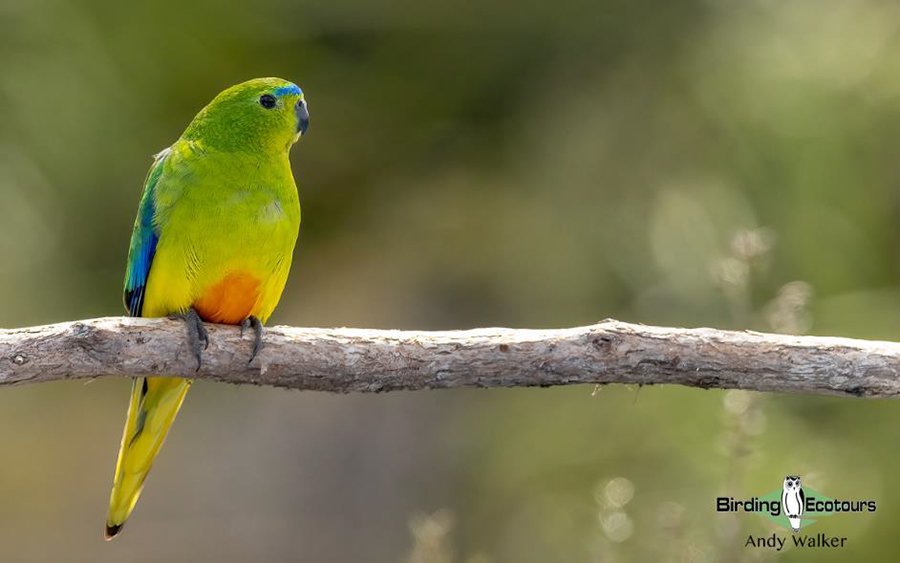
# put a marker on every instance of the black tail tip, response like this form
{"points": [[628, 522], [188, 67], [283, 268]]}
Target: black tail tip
{"points": [[112, 530]]}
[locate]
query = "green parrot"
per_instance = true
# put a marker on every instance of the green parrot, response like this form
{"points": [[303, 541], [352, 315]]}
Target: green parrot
{"points": [[212, 242]]}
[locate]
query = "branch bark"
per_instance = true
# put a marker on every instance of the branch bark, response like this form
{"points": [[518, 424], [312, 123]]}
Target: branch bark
{"points": [[344, 360]]}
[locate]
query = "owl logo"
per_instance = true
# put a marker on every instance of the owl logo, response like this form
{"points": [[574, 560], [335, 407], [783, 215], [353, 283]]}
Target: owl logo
{"points": [[792, 501]]}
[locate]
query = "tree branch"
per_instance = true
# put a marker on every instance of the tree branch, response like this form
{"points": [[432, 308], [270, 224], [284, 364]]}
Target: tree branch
{"points": [[343, 360]]}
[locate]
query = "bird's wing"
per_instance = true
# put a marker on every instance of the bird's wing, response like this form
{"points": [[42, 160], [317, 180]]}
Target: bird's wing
{"points": [[144, 238], [802, 500]]}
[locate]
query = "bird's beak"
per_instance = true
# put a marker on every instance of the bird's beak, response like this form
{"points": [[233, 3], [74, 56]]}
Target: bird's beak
{"points": [[302, 116]]}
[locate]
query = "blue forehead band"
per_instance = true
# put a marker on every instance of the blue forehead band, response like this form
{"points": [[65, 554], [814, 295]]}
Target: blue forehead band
{"points": [[292, 89]]}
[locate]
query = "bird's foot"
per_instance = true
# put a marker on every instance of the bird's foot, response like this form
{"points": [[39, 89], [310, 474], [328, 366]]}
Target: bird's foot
{"points": [[257, 326], [196, 334]]}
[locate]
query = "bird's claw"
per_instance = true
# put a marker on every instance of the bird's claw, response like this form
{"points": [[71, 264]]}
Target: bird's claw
{"points": [[256, 325], [197, 333]]}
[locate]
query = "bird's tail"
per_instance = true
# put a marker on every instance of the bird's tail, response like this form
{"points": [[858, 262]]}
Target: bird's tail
{"points": [[154, 403]]}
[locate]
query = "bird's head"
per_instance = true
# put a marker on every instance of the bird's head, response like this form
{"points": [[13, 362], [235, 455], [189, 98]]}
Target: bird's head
{"points": [[260, 114], [792, 482]]}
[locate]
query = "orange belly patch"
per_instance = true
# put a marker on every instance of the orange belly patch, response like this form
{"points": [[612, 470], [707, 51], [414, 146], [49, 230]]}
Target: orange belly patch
{"points": [[231, 300]]}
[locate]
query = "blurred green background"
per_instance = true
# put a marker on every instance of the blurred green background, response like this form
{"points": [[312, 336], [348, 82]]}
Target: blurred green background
{"points": [[728, 163]]}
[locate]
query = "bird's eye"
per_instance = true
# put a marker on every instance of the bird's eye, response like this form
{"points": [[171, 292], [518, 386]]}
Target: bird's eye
{"points": [[267, 101]]}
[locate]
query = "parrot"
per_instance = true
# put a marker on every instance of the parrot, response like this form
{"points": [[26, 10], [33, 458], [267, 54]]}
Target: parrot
{"points": [[213, 242]]}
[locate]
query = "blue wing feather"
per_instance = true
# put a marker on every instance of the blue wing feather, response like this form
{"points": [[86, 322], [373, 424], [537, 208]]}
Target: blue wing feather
{"points": [[144, 239]]}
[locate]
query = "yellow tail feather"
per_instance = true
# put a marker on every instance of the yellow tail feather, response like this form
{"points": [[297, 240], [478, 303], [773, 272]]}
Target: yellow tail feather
{"points": [[154, 403]]}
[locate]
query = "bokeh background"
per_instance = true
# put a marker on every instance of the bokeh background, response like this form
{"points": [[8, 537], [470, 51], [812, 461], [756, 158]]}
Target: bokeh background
{"points": [[727, 163]]}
